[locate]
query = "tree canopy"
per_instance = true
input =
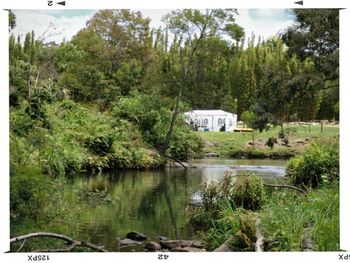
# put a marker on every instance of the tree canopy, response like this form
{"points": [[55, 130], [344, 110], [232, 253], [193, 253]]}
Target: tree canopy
{"points": [[202, 53]]}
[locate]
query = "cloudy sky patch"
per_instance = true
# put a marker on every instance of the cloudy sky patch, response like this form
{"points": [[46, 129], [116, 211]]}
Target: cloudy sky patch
{"points": [[264, 22], [66, 23]]}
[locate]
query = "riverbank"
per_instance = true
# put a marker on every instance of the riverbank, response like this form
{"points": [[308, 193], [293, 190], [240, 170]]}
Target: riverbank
{"points": [[287, 221], [99, 207], [51, 144], [71, 137], [256, 145], [300, 213]]}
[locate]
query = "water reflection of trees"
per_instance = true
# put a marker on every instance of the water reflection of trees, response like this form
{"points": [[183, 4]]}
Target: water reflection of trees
{"points": [[170, 197], [152, 202]]}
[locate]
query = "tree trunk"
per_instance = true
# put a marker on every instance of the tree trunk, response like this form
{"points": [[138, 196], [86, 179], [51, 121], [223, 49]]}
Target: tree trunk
{"points": [[182, 83], [172, 123], [259, 244]]}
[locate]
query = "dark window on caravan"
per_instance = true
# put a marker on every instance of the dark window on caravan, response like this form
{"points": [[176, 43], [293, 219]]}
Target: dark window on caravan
{"points": [[220, 122], [205, 122]]}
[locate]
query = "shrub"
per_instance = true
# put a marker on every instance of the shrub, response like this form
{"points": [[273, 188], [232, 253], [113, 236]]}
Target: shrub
{"points": [[209, 195], [248, 118], [101, 144], [248, 192], [271, 142], [317, 166], [153, 120], [243, 190], [185, 144], [281, 135], [285, 141], [20, 121], [212, 195]]}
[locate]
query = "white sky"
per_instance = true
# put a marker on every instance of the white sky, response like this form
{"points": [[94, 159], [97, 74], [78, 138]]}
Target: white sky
{"points": [[66, 23]]}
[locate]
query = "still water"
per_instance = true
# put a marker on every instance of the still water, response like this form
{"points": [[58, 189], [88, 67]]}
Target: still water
{"points": [[154, 202]]}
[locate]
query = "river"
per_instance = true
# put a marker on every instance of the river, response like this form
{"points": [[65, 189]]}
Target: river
{"points": [[154, 202]]}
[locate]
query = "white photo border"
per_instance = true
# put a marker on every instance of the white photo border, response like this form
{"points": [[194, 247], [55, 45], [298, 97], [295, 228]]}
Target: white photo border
{"points": [[181, 257]]}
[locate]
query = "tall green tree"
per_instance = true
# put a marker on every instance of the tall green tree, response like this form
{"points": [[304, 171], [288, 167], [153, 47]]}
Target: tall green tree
{"points": [[115, 49], [315, 36], [193, 27]]}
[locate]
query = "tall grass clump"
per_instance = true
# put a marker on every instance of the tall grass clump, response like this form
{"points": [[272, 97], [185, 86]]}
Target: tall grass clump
{"points": [[326, 231], [235, 226], [289, 218], [225, 211], [248, 192], [283, 221]]}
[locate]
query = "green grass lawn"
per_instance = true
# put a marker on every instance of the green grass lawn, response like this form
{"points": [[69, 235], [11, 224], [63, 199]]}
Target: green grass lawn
{"points": [[234, 144]]}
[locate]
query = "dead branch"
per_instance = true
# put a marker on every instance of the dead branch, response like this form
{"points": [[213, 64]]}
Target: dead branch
{"points": [[259, 244], [286, 186], [22, 245], [225, 247], [282, 185], [72, 243], [177, 161], [278, 179]]}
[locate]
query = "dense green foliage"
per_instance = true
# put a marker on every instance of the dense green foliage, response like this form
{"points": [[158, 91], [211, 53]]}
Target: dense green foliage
{"points": [[79, 138], [153, 119], [315, 36], [318, 165]]}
